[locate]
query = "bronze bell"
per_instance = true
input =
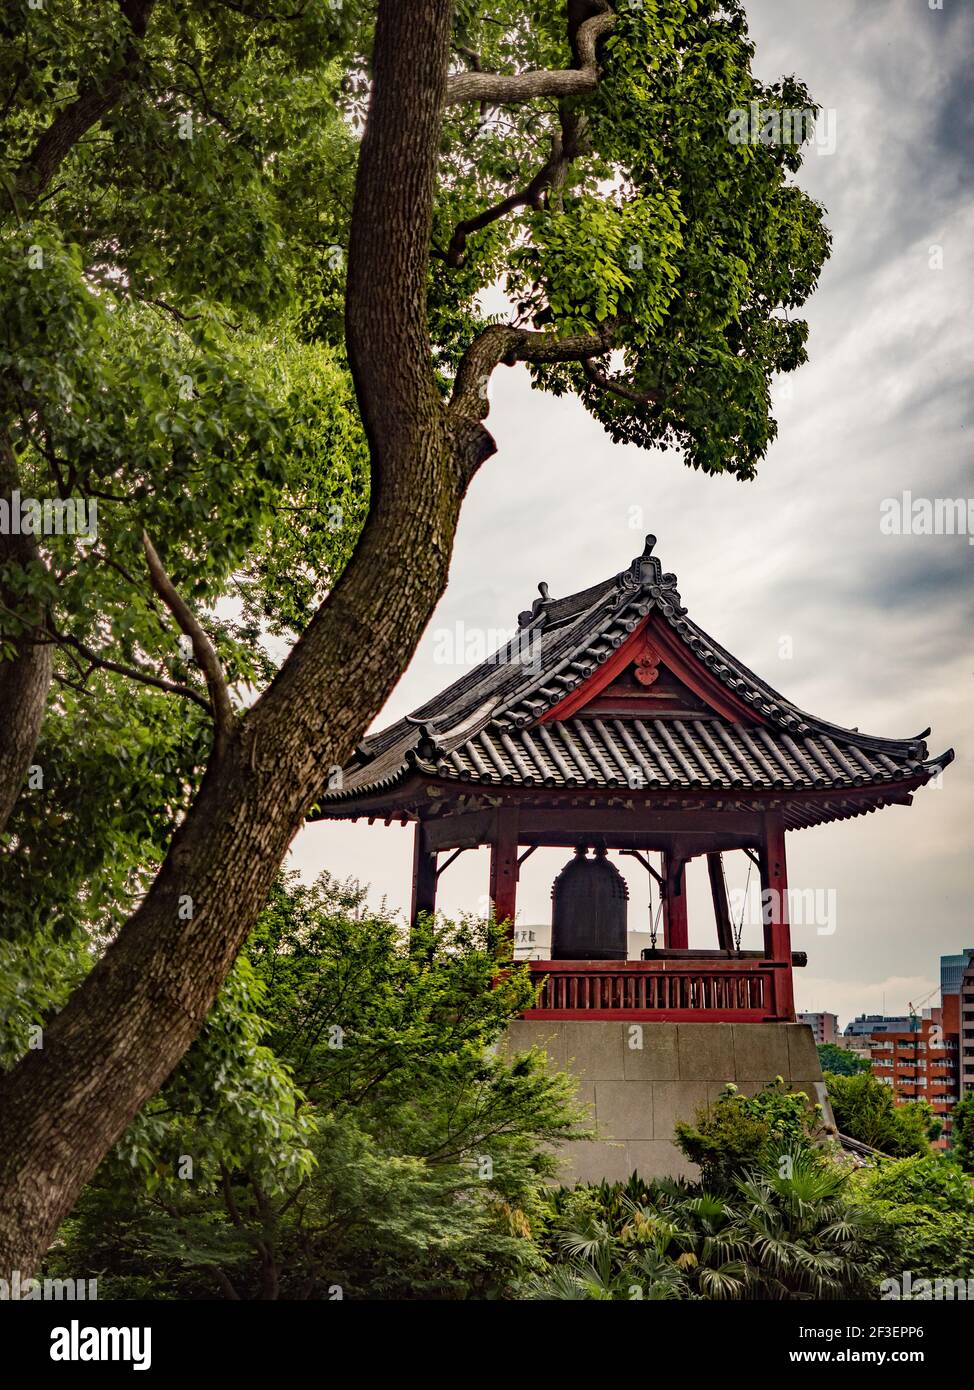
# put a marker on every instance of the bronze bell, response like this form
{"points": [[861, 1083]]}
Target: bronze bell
{"points": [[589, 907]]}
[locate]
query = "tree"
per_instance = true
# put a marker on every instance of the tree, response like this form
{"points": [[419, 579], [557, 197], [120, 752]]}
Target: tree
{"points": [[344, 1123], [865, 1110], [840, 1061], [962, 1117], [182, 227]]}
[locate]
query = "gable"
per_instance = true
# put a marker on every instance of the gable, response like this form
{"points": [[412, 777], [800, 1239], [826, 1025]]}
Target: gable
{"points": [[651, 674]]}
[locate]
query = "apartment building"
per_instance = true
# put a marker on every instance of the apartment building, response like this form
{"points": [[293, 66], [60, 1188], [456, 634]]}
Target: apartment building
{"points": [[825, 1027], [920, 1063], [957, 994]]}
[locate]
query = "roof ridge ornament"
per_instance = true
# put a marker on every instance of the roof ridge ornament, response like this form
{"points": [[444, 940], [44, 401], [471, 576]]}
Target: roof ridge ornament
{"points": [[526, 618], [426, 746], [646, 572]]}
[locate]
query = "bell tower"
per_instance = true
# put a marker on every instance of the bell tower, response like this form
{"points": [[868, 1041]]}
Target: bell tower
{"points": [[612, 720]]}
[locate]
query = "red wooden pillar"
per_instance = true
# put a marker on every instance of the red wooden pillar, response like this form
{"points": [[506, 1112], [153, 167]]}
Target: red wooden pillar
{"points": [[503, 866], [774, 906], [676, 928], [424, 876]]}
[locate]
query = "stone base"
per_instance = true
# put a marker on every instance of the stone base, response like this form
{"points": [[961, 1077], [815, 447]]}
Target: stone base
{"points": [[639, 1079]]}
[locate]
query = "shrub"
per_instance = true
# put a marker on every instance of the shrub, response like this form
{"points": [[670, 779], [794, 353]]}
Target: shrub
{"points": [[929, 1204], [790, 1227], [865, 1110], [738, 1131]]}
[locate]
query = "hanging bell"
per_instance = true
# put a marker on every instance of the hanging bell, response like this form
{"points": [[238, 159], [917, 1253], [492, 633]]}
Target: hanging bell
{"points": [[589, 909]]}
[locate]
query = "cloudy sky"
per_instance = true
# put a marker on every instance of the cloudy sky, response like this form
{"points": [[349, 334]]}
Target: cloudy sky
{"points": [[879, 625]]}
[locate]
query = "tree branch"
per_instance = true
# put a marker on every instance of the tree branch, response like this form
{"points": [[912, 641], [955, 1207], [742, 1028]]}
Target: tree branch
{"points": [[136, 673], [496, 89], [566, 145], [619, 388], [501, 343], [203, 648], [91, 104], [26, 675]]}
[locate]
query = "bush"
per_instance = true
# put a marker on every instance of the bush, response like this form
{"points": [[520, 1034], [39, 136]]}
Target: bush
{"points": [[929, 1204], [790, 1227], [739, 1131], [865, 1109]]}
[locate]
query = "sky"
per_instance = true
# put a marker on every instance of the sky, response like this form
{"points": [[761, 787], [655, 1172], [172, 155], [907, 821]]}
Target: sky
{"points": [[792, 572]]}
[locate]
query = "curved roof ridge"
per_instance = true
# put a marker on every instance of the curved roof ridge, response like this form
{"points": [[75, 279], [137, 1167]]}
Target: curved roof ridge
{"points": [[877, 741]]}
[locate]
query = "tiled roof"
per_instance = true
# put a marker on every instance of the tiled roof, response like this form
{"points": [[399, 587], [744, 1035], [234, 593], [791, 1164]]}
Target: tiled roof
{"points": [[691, 754], [490, 727]]}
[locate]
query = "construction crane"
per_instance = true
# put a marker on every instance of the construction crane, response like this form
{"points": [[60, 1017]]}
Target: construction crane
{"points": [[914, 1015]]}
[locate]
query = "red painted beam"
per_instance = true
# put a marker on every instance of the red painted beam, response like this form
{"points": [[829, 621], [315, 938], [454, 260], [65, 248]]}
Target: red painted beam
{"points": [[683, 965], [630, 649]]}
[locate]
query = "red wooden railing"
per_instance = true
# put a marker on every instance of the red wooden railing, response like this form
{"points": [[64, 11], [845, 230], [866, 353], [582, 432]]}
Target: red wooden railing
{"points": [[707, 991]]}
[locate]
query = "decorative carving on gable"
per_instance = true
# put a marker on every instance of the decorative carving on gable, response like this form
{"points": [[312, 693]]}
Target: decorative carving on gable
{"points": [[647, 665]]}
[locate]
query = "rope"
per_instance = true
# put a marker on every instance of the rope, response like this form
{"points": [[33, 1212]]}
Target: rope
{"points": [[654, 921], [739, 929]]}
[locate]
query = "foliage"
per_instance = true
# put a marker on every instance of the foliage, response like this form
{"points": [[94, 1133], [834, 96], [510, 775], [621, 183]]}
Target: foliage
{"points": [[865, 1109], [350, 1123], [788, 1227], [807, 1238], [929, 1204], [739, 1130], [354, 1131], [171, 354], [840, 1061], [695, 249], [932, 1180], [962, 1118]]}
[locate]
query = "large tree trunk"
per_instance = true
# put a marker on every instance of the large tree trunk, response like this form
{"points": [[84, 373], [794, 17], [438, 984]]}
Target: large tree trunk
{"points": [[126, 1028], [25, 676]]}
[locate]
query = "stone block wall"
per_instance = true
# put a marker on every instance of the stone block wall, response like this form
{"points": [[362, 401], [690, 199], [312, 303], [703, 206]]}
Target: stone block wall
{"points": [[639, 1079]]}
